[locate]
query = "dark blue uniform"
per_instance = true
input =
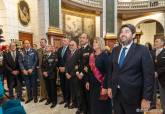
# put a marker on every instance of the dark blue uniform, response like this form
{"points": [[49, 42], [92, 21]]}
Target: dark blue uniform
{"points": [[28, 60]]}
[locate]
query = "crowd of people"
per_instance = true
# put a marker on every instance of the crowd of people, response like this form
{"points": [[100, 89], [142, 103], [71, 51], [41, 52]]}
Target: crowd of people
{"points": [[93, 79]]}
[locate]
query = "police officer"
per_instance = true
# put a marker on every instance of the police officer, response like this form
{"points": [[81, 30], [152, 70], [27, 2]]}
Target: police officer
{"points": [[49, 71], [27, 62]]}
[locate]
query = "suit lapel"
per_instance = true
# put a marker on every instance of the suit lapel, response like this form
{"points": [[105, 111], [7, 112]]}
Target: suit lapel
{"points": [[10, 58], [159, 55], [131, 52], [65, 53], [117, 56]]}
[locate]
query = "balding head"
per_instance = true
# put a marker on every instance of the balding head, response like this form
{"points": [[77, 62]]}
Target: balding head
{"points": [[26, 44], [13, 46]]}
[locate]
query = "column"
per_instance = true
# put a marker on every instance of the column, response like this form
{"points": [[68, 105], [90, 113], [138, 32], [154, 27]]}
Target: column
{"points": [[109, 22], [55, 33], [111, 16], [54, 13]]}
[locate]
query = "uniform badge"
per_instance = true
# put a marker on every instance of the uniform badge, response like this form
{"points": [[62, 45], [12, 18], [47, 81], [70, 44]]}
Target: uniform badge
{"points": [[76, 67], [85, 54]]}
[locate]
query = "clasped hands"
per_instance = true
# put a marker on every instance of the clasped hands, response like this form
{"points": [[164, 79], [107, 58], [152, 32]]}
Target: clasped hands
{"points": [[27, 72]]}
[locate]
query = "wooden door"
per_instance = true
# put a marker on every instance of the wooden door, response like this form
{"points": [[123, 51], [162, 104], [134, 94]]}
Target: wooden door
{"points": [[26, 36]]}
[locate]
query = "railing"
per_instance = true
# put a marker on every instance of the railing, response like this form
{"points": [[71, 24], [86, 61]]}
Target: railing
{"points": [[125, 5], [91, 3], [141, 4]]}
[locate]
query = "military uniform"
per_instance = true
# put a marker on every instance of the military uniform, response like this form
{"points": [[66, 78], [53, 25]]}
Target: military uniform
{"points": [[43, 93], [49, 65], [84, 64], [28, 60]]}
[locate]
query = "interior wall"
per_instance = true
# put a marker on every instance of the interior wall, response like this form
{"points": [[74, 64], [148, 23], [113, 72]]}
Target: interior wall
{"points": [[3, 17], [131, 0], [149, 30], [13, 24], [97, 23], [43, 19], [160, 17]]}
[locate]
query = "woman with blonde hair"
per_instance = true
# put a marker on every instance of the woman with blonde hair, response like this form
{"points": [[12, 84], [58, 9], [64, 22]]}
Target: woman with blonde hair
{"points": [[97, 83]]}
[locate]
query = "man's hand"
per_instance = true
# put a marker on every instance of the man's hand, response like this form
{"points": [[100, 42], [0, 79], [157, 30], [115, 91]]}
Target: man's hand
{"points": [[156, 74], [145, 104], [104, 91], [68, 76], [78, 75], [45, 74], [15, 72], [87, 86], [62, 69], [110, 93], [30, 71], [25, 72]]}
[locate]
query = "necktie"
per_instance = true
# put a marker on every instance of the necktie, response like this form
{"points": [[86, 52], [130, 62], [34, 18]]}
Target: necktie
{"points": [[13, 54], [122, 57], [63, 51]]}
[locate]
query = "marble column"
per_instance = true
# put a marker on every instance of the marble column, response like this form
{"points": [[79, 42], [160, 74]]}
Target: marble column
{"points": [[109, 17], [55, 13]]}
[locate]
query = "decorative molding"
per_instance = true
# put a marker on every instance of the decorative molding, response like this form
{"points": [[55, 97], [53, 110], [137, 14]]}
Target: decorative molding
{"points": [[124, 5], [55, 30], [110, 36], [23, 12]]}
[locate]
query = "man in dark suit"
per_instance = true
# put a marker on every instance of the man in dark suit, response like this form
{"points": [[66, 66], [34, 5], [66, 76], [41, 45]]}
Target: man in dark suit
{"points": [[83, 73], [62, 58], [131, 81], [160, 69], [13, 73], [71, 68]]}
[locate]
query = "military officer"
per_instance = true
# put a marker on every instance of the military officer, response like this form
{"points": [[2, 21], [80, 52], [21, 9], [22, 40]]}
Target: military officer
{"points": [[49, 71]]}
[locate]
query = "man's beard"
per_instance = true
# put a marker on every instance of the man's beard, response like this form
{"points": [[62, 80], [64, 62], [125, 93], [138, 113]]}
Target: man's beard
{"points": [[127, 42]]}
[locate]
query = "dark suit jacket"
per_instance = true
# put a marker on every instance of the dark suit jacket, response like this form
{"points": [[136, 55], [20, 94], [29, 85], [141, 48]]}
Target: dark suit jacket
{"points": [[10, 64], [62, 60], [136, 76], [160, 67], [72, 64]]}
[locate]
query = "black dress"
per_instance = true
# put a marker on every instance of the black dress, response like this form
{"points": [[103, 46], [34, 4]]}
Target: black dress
{"points": [[99, 106]]}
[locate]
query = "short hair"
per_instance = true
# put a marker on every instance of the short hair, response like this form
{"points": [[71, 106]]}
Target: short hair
{"points": [[101, 42], [44, 39], [149, 46], [130, 26], [86, 35], [161, 39], [74, 41]]}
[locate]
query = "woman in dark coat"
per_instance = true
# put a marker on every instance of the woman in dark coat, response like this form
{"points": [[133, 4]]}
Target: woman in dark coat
{"points": [[97, 82]]}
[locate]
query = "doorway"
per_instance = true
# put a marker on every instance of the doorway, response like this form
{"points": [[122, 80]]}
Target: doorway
{"points": [[26, 36]]}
